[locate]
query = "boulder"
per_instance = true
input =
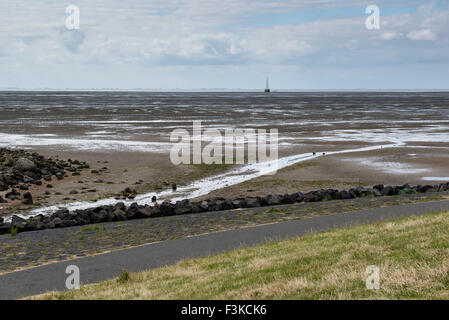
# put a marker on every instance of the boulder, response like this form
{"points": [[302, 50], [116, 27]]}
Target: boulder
{"points": [[239, 203], [297, 197], [12, 195], [119, 215], [204, 205], [387, 191], [345, 195], [23, 187], [35, 225], [27, 198], [59, 175], [18, 222], [183, 210], [226, 205], [24, 164], [27, 179], [5, 228], [166, 208], [273, 200], [311, 197], [378, 187], [3, 186], [252, 202], [423, 189], [142, 213]]}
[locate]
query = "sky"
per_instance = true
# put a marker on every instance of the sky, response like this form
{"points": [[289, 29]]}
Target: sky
{"points": [[224, 44]]}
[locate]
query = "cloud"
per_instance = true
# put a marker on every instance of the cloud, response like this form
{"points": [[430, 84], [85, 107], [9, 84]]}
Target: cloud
{"points": [[390, 35], [240, 34], [71, 39], [424, 34]]}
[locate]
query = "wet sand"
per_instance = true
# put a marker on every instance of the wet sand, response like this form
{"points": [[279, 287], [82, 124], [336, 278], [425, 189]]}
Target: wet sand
{"points": [[128, 133]]}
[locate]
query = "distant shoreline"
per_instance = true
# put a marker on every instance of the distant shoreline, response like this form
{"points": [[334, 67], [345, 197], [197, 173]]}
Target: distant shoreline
{"points": [[218, 90]]}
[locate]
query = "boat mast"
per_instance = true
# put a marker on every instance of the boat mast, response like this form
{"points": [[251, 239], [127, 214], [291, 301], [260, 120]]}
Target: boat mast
{"points": [[267, 87]]}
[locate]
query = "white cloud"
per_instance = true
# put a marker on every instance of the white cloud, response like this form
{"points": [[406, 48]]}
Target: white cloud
{"points": [[214, 33], [390, 35], [424, 34]]}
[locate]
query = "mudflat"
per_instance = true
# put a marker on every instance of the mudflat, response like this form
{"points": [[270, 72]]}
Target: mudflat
{"points": [[125, 137]]}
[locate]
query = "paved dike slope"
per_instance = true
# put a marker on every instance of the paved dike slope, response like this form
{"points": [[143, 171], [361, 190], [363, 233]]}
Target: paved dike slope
{"points": [[105, 266]]}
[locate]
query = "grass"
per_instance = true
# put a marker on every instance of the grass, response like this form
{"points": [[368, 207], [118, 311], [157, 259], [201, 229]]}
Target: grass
{"points": [[124, 277], [92, 228], [412, 255], [14, 232]]}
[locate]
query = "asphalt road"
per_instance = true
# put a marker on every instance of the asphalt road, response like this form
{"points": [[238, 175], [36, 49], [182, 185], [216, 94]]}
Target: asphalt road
{"points": [[105, 266]]}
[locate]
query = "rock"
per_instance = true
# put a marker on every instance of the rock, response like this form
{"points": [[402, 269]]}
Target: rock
{"points": [[312, 197], [35, 225], [27, 179], [3, 186], [424, 189], [59, 175], [141, 213], [28, 198], [119, 215], [166, 208], [12, 195], [120, 205], [297, 197], [49, 186], [174, 186], [204, 205], [18, 222], [119, 211], [98, 217], [238, 203], [23, 187], [387, 191], [378, 187], [3, 200], [273, 200], [5, 228], [128, 191], [183, 210], [24, 164], [73, 192], [252, 202], [345, 195]]}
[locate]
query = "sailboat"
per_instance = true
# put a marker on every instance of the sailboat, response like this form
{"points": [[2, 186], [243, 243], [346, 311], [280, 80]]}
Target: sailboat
{"points": [[267, 87]]}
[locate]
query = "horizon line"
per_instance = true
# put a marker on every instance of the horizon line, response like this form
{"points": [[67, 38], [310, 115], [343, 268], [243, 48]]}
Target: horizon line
{"points": [[220, 90]]}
